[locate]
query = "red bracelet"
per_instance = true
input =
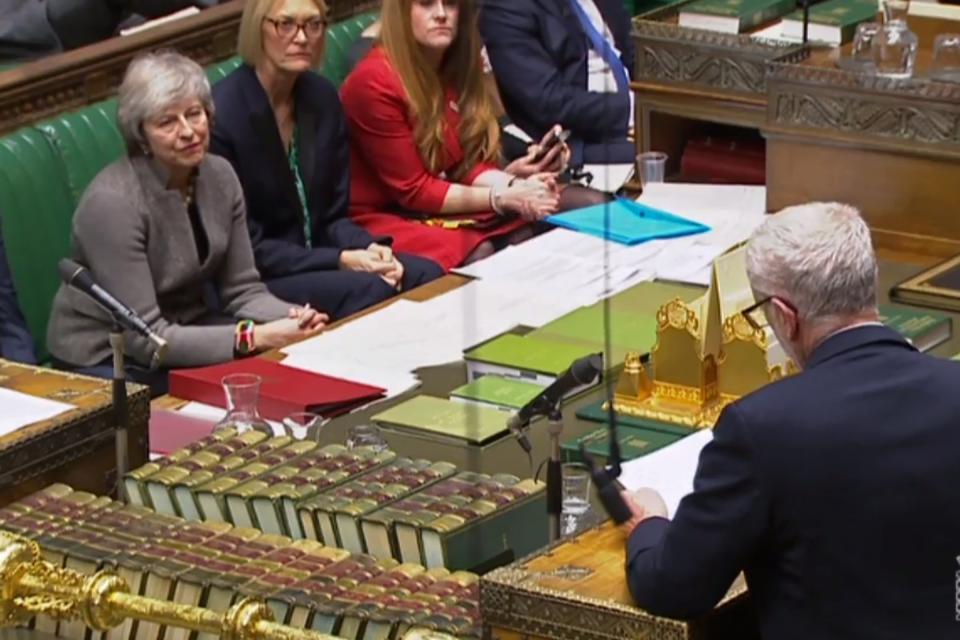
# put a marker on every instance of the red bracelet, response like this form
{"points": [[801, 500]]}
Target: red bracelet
{"points": [[243, 338]]}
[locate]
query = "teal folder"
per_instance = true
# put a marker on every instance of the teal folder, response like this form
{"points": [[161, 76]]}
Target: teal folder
{"points": [[627, 222]]}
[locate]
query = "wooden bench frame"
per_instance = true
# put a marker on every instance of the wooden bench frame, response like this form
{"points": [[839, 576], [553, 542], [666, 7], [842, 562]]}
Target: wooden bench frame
{"points": [[41, 89]]}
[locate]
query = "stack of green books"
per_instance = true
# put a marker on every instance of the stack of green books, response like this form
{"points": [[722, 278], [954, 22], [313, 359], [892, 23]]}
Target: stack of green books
{"points": [[306, 584], [833, 22], [732, 16], [497, 392]]}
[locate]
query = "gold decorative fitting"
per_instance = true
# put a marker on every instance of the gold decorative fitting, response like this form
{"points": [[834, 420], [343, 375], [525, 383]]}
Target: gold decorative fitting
{"points": [[29, 587], [706, 354]]}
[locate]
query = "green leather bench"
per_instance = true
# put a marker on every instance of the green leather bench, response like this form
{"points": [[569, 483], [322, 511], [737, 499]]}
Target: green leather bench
{"points": [[45, 168]]}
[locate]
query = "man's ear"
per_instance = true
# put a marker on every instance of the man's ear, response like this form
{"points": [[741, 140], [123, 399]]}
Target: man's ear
{"points": [[788, 317]]}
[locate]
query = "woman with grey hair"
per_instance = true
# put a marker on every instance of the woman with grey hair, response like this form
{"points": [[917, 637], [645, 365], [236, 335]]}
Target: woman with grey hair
{"points": [[163, 229]]}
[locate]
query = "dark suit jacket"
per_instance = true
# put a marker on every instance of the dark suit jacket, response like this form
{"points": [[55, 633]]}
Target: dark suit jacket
{"points": [[538, 50], [15, 340], [837, 492], [245, 133]]}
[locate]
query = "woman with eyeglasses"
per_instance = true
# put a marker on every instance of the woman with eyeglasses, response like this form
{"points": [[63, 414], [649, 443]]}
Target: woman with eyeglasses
{"points": [[163, 230], [282, 128], [425, 141]]}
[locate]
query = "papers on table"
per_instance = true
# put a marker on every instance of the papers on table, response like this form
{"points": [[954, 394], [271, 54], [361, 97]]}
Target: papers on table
{"points": [[731, 211], [22, 409], [529, 284], [669, 470], [609, 177]]}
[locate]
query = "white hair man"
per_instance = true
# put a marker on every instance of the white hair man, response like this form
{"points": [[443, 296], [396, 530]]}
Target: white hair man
{"points": [[835, 490]]}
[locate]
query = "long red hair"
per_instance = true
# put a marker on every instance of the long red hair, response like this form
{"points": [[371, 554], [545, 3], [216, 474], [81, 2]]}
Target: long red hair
{"points": [[461, 70]]}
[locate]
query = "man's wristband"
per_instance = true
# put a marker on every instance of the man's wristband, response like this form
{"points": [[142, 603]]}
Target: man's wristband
{"points": [[243, 338]]}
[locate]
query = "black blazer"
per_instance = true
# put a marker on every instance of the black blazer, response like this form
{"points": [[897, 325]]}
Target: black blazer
{"points": [[15, 340], [837, 492], [538, 50], [245, 133]]}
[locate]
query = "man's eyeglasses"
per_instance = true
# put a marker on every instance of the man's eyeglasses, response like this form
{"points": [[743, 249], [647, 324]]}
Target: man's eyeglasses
{"points": [[754, 313], [287, 27], [755, 316]]}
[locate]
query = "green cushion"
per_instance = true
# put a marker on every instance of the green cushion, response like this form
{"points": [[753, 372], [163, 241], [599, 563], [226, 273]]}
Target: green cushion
{"points": [[340, 37], [220, 70], [37, 210], [86, 141]]}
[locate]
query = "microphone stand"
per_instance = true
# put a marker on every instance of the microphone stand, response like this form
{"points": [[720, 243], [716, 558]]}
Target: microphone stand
{"points": [[806, 19], [605, 477], [554, 474], [120, 410]]}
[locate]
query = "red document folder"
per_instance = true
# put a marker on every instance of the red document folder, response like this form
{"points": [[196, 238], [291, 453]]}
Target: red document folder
{"points": [[284, 390], [170, 430]]}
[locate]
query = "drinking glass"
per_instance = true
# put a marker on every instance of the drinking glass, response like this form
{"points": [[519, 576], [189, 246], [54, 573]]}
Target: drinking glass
{"points": [[861, 55], [575, 485], [946, 58], [242, 393], [366, 435], [651, 167], [895, 45], [303, 425]]}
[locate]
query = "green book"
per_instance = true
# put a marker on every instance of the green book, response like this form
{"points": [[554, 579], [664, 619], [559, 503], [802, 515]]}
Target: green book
{"points": [[630, 316], [924, 329], [833, 22], [634, 442], [539, 360], [498, 392], [732, 16], [595, 412], [459, 420]]}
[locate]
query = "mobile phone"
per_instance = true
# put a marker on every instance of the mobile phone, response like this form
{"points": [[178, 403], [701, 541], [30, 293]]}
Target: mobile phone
{"points": [[552, 140]]}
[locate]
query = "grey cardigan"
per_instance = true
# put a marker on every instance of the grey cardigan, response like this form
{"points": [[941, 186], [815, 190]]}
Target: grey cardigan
{"points": [[135, 236]]}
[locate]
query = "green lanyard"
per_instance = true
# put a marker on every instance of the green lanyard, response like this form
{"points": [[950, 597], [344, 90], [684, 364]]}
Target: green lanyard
{"points": [[301, 192]]}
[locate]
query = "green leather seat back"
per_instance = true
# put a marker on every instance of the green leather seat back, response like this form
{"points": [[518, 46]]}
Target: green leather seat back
{"points": [[220, 70], [86, 141], [340, 37], [37, 209]]}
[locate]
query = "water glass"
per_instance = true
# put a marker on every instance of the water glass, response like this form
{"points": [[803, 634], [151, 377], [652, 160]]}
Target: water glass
{"points": [[651, 167], [861, 55], [946, 58], [242, 395], [366, 435], [303, 425], [575, 485], [895, 45]]}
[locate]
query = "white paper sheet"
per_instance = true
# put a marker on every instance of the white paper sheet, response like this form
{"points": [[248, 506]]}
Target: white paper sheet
{"points": [[609, 177], [21, 409], [688, 199], [669, 470]]}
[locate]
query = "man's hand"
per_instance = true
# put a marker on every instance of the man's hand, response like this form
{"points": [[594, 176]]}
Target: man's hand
{"points": [[643, 504]]}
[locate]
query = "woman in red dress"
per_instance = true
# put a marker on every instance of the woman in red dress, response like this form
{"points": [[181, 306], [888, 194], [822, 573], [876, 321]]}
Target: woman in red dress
{"points": [[424, 141]]}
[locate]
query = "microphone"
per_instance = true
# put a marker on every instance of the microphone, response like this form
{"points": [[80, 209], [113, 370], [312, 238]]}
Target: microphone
{"points": [[77, 276], [582, 372]]}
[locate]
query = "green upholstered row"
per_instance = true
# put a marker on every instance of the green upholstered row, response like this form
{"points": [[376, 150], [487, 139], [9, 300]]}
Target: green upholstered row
{"points": [[45, 168]]}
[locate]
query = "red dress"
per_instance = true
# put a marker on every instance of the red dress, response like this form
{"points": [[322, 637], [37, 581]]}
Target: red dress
{"points": [[388, 175]]}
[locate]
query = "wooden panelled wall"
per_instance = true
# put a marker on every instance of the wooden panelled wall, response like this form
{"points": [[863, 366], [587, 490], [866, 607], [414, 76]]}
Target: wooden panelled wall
{"points": [[38, 90]]}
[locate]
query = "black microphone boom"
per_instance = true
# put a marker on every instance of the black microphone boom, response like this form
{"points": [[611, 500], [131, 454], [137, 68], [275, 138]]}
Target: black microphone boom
{"points": [[78, 277], [582, 372]]}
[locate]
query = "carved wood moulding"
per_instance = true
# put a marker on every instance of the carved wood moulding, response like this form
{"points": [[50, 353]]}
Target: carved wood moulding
{"points": [[805, 99], [674, 55], [41, 89]]}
